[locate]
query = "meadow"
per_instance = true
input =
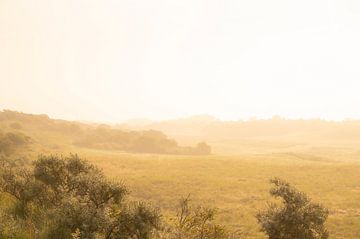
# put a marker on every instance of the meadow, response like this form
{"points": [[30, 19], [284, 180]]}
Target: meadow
{"points": [[234, 178], [238, 185]]}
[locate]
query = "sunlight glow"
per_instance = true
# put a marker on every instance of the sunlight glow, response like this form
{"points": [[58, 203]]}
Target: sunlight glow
{"points": [[114, 60]]}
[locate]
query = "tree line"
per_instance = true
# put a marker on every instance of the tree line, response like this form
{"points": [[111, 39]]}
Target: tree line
{"points": [[147, 141]]}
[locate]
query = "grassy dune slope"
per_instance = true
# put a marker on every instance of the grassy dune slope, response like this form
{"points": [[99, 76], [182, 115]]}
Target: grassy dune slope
{"points": [[238, 185]]}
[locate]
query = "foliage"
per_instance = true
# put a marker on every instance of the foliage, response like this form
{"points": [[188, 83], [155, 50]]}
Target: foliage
{"points": [[61, 197], [298, 217], [149, 141], [196, 223], [10, 141], [101, 136]]}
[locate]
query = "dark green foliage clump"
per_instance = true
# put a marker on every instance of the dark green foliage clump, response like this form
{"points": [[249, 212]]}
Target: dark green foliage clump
{"points": [[59, 197], [297, 218]]}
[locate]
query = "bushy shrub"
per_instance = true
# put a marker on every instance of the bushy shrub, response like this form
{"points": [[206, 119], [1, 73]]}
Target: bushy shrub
{"points": [[196, 222], [60, 196], [297, 218]]}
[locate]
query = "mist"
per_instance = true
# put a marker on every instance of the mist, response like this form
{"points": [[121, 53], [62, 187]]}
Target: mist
{"points": [[111, 61]]}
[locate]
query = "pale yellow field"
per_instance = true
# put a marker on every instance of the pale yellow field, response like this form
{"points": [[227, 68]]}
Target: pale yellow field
{"points": [[238, 185], [235, 179]]}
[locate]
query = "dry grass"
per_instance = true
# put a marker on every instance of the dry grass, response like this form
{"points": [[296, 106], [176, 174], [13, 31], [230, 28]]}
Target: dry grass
{"points": [[329, 172], [238, 185]]}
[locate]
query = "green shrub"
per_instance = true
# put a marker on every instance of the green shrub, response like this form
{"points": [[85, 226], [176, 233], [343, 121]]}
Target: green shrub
{"points": [[297, 218], [59, 197]]}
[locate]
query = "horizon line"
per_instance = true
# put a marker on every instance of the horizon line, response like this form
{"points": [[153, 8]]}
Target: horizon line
{"points": [[185, 117]]}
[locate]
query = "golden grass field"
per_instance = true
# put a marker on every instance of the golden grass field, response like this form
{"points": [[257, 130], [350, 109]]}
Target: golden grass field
{"points": [[234, 179], [238, 185]]}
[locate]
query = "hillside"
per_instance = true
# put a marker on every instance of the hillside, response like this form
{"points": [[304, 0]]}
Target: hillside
{"points": [[236, 185], [257, 135], [59, 134]]}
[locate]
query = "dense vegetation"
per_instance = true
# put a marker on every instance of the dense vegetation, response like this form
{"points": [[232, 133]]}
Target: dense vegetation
{"points": [[58, 197], [101, 136], [149, 141]]}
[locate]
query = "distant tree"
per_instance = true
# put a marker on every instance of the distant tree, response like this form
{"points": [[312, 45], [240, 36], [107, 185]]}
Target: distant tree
{"points": [[202, 148], [148, 141], [297, 218]]}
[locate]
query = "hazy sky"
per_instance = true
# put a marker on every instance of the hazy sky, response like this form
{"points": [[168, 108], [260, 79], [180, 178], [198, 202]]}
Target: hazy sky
{"points": [[109, 60]]}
